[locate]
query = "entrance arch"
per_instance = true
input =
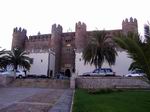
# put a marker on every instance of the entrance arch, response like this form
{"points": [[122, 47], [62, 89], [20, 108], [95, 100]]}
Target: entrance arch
{"points": [[67, 73]]}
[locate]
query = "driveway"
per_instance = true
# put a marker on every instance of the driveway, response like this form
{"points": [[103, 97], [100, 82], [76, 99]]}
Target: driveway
{"points": [[30, 99]]}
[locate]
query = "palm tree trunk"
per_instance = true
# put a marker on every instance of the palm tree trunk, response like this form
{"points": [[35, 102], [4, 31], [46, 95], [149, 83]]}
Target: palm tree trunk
{"points": [[15, 73], [15, 69]]}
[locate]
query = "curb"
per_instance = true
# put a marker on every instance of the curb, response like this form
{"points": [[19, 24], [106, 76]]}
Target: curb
{"points": [[64, 103], [72, 101]]}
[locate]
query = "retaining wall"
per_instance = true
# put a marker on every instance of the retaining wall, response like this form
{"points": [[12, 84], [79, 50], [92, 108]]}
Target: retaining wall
{"points": [[4, 81], [110, 82], [41, 83]]}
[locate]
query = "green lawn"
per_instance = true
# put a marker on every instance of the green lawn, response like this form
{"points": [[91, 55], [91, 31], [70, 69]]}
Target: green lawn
{"points": [[126, 101]]}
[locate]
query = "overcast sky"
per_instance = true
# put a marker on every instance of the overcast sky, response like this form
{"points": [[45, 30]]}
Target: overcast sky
{"points": [[39, 15]]}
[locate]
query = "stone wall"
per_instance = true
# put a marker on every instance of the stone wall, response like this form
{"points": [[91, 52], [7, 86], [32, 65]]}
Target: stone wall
{"points": [[41, 83], [110, 82], [4, 81]]}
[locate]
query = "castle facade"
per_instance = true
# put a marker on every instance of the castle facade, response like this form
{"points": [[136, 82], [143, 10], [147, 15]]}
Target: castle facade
{"points": [[64, 44]]}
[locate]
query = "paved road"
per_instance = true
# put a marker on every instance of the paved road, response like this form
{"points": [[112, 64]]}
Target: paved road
{"points": [[35, 100]]}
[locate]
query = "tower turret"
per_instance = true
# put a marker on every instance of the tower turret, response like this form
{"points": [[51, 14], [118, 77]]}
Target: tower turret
{"points": [[80, 36], [130, 25], [19, 37], [56, 45]]}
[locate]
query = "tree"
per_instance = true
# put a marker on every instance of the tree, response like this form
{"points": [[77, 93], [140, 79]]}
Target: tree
{"points": [[137, 50], [100, 48], [3, 61], [147, 33], [17, 58]]}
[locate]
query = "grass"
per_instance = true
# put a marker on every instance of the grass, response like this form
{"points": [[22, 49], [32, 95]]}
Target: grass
{"points": [[126, 101]]}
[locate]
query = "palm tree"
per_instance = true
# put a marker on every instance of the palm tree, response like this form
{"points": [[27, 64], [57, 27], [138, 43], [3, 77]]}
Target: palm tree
{"points": [[17, 58], [100, 48], [3, 61], [137, 50], [147, 33]]}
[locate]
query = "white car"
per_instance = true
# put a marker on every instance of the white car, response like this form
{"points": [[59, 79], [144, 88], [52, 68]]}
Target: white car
{"points": [[100, 72], [135, 73], [19, 74]]}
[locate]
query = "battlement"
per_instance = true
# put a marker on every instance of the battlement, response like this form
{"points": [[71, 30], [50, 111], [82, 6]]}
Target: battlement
{"points": [[130, 25], [57, 28], [20, 30], [80, 25], [19, 38], [129, 21]]}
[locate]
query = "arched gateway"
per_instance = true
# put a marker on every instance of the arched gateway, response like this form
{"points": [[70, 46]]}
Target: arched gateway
{"points": [[67, 73]]}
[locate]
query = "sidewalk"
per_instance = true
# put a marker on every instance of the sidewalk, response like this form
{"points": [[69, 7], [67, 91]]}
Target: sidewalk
{"points": [[29, 99], [64, 102]]}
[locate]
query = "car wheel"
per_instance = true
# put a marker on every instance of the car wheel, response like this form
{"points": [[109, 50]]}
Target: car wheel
{"points": [[20, 76]]}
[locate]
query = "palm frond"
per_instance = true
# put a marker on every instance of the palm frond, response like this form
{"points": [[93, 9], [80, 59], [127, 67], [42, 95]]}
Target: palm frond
{"points": [[137, 50], [99, 49]]}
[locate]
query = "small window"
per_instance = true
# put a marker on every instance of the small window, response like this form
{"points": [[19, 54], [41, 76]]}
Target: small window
{"points": [[41, 60], [68, 49], [68, 41], [68, 45]]}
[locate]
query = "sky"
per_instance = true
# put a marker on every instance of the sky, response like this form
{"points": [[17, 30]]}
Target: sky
{"points": [[39, 15]]}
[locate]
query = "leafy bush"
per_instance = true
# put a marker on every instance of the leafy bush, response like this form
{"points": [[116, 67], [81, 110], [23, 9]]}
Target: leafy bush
{"points": [[102, 91]]}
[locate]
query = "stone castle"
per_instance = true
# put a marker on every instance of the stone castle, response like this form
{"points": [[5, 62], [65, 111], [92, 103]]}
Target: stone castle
{"points": [[64, 44]]}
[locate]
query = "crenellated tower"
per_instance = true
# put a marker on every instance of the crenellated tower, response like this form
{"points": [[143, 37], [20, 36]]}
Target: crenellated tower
{"points": [[80, 36], [19, 37], [56, 44], [130, 25]]}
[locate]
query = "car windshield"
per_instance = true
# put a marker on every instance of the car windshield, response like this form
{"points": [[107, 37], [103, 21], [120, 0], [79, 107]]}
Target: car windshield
{"points": [[96, 71]]}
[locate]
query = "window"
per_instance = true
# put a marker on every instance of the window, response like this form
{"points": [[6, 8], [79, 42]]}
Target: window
{"points": [[68, 40], [68, 49], [41, 60], [108, 70], [102, 70], [96, 71]]}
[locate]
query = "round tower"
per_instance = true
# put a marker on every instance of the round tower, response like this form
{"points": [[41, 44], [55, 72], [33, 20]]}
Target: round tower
{"points": [[19, 37], [130, 25], [80, 36], [56, 45]]}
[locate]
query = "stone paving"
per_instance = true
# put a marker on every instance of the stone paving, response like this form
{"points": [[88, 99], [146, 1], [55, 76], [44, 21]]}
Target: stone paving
{"points": [[35, 100], [64, 102]]}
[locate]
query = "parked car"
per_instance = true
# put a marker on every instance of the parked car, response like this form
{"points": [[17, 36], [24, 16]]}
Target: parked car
{"points": [[135, 73], [2, 70], [61, 76], [100, 72], [19, 74]]}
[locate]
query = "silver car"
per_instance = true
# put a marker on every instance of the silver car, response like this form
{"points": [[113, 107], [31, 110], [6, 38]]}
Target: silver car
{"points": [[135, 73], [19, 74]]}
